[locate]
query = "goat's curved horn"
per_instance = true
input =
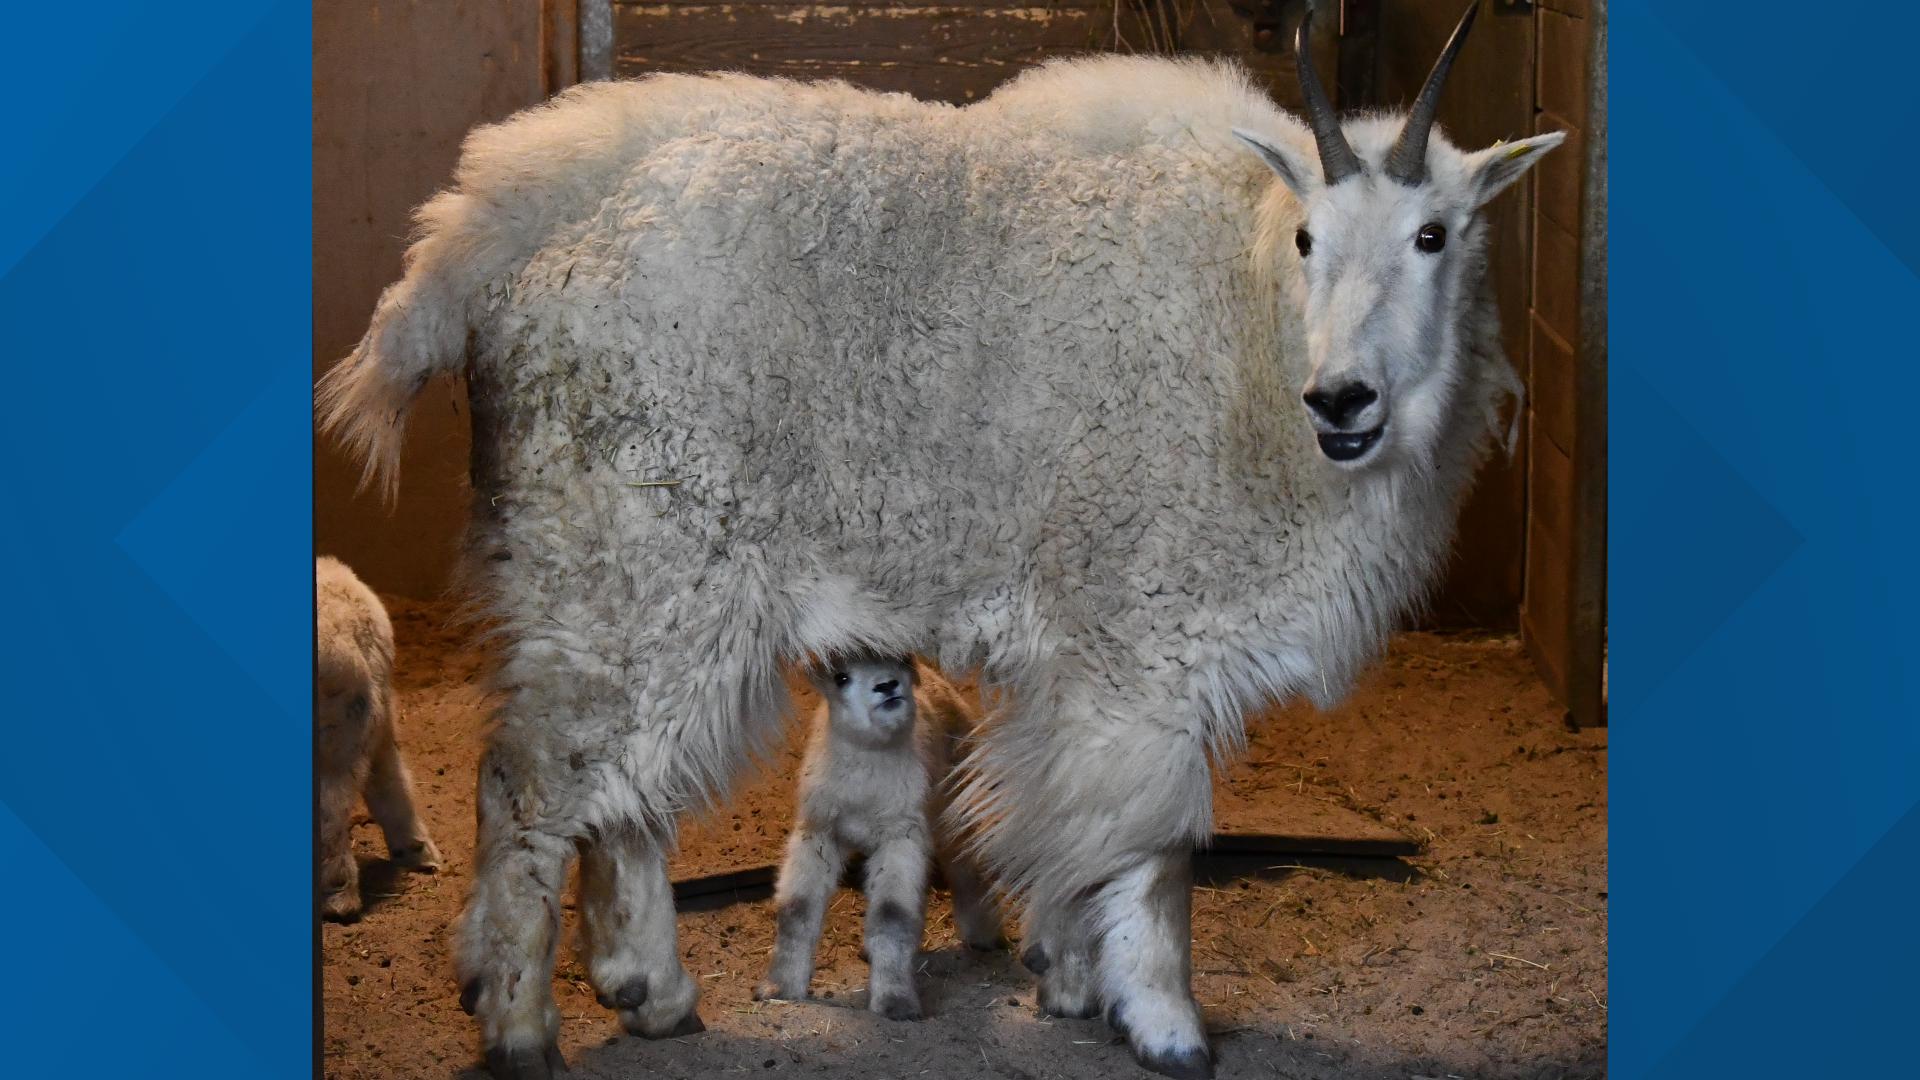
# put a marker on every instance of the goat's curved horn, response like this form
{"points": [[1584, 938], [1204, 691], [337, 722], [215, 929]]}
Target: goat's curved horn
{"points": [[1407, 161], [1337, 159]]}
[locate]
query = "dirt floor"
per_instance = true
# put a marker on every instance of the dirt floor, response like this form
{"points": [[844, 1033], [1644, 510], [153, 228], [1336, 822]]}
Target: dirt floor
{"points": [[1484, 956]]}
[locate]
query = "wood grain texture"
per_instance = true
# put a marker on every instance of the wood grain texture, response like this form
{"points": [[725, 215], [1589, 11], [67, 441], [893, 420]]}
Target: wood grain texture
{"points": [[1559, 176], [1556, 278], [1554, 379], [950, 52], [1563, 66]]}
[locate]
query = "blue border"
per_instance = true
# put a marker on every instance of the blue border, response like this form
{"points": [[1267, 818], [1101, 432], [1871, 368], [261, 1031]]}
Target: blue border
{"points": [[155, 776], [154, 283], [1765, 755]]}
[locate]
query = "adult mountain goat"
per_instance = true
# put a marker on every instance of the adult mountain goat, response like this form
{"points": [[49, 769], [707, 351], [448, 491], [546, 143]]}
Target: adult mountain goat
{"points": [[763, 371]]}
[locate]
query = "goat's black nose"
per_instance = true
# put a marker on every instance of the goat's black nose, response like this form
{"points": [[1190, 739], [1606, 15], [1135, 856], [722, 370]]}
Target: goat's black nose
{"points": [[887, 687], [1340, 407]]}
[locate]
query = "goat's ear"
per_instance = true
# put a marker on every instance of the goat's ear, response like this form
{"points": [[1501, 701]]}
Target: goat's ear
{"points": [[1491, 170], [1300, 172]]}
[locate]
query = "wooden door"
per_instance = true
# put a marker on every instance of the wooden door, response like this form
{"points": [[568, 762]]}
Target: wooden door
{"points": [[1564, 614]]}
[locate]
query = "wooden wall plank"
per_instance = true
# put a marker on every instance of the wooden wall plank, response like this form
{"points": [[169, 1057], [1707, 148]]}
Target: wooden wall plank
{"points": [[1558, 177], [950, 52], [1562, 68], [560, 44], [1554, 377], [1545, 626], [1556, 279], [869, 6]]}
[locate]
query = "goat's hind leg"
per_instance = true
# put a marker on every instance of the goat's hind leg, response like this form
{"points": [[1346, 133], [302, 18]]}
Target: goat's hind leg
{"points": [[1057, 946], [339, 874], [390, 801], [631, 938], [808, 879], [512, 920]]}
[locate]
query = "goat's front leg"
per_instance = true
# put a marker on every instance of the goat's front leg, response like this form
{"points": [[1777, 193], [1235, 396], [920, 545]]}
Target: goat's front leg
{"points": [[1145, 964], [896, 890], [975, 915], [807, 880], [632, 940]]}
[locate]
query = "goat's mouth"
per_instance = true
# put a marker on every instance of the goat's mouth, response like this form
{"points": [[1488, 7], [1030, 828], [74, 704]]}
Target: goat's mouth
{"points": [[892, 702], [1345, 446]]}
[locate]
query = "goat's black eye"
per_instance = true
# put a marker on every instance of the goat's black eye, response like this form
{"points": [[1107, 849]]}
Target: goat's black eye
{"points": [[1303, 240], [1432, 237], [840, 678]]}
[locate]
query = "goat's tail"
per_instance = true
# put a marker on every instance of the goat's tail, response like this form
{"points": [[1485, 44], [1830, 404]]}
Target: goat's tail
{"points": [[420, 329]]}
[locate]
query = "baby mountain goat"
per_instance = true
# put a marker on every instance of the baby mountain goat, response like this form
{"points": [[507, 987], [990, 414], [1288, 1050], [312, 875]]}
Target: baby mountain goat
{"points": [[355, 751], [881, 748], [1146, 400]]}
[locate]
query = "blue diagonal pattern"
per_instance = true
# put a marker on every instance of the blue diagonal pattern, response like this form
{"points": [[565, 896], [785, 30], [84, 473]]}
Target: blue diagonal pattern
{"points": [[1764, 748], [154, 283], [84, 86], [1812, 1006], [107, 966]]}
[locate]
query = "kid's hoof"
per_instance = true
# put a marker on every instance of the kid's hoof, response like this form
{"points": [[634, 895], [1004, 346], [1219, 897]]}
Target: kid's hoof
{"points": [[996, 943], [897, 1007], [1117, 1020], [768, 991], [1194, 1064], [631, 995], [342, 907], [526, 1063], [1034, 959], [421, 858]]}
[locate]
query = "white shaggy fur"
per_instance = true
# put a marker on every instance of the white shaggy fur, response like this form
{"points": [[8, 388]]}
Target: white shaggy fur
{"points": [[882, 744], [354, 748], [764, 371]]}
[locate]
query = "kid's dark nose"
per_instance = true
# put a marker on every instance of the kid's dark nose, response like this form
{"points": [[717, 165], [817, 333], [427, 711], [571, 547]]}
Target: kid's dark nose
{"points": [[887, 687]]}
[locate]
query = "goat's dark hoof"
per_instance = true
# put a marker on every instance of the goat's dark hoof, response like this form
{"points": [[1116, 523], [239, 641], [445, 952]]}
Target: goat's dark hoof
{"points": [[998, 944], [1117, 1020], [631, 995], [469, 995], [898, 1007], [526, 1063], [689, 1025], [1034, 959], [1194, 1064]]}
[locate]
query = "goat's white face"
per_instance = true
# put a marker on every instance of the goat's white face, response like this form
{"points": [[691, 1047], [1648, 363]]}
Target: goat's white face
{"points": [[1390, 242], [868, 700]]}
